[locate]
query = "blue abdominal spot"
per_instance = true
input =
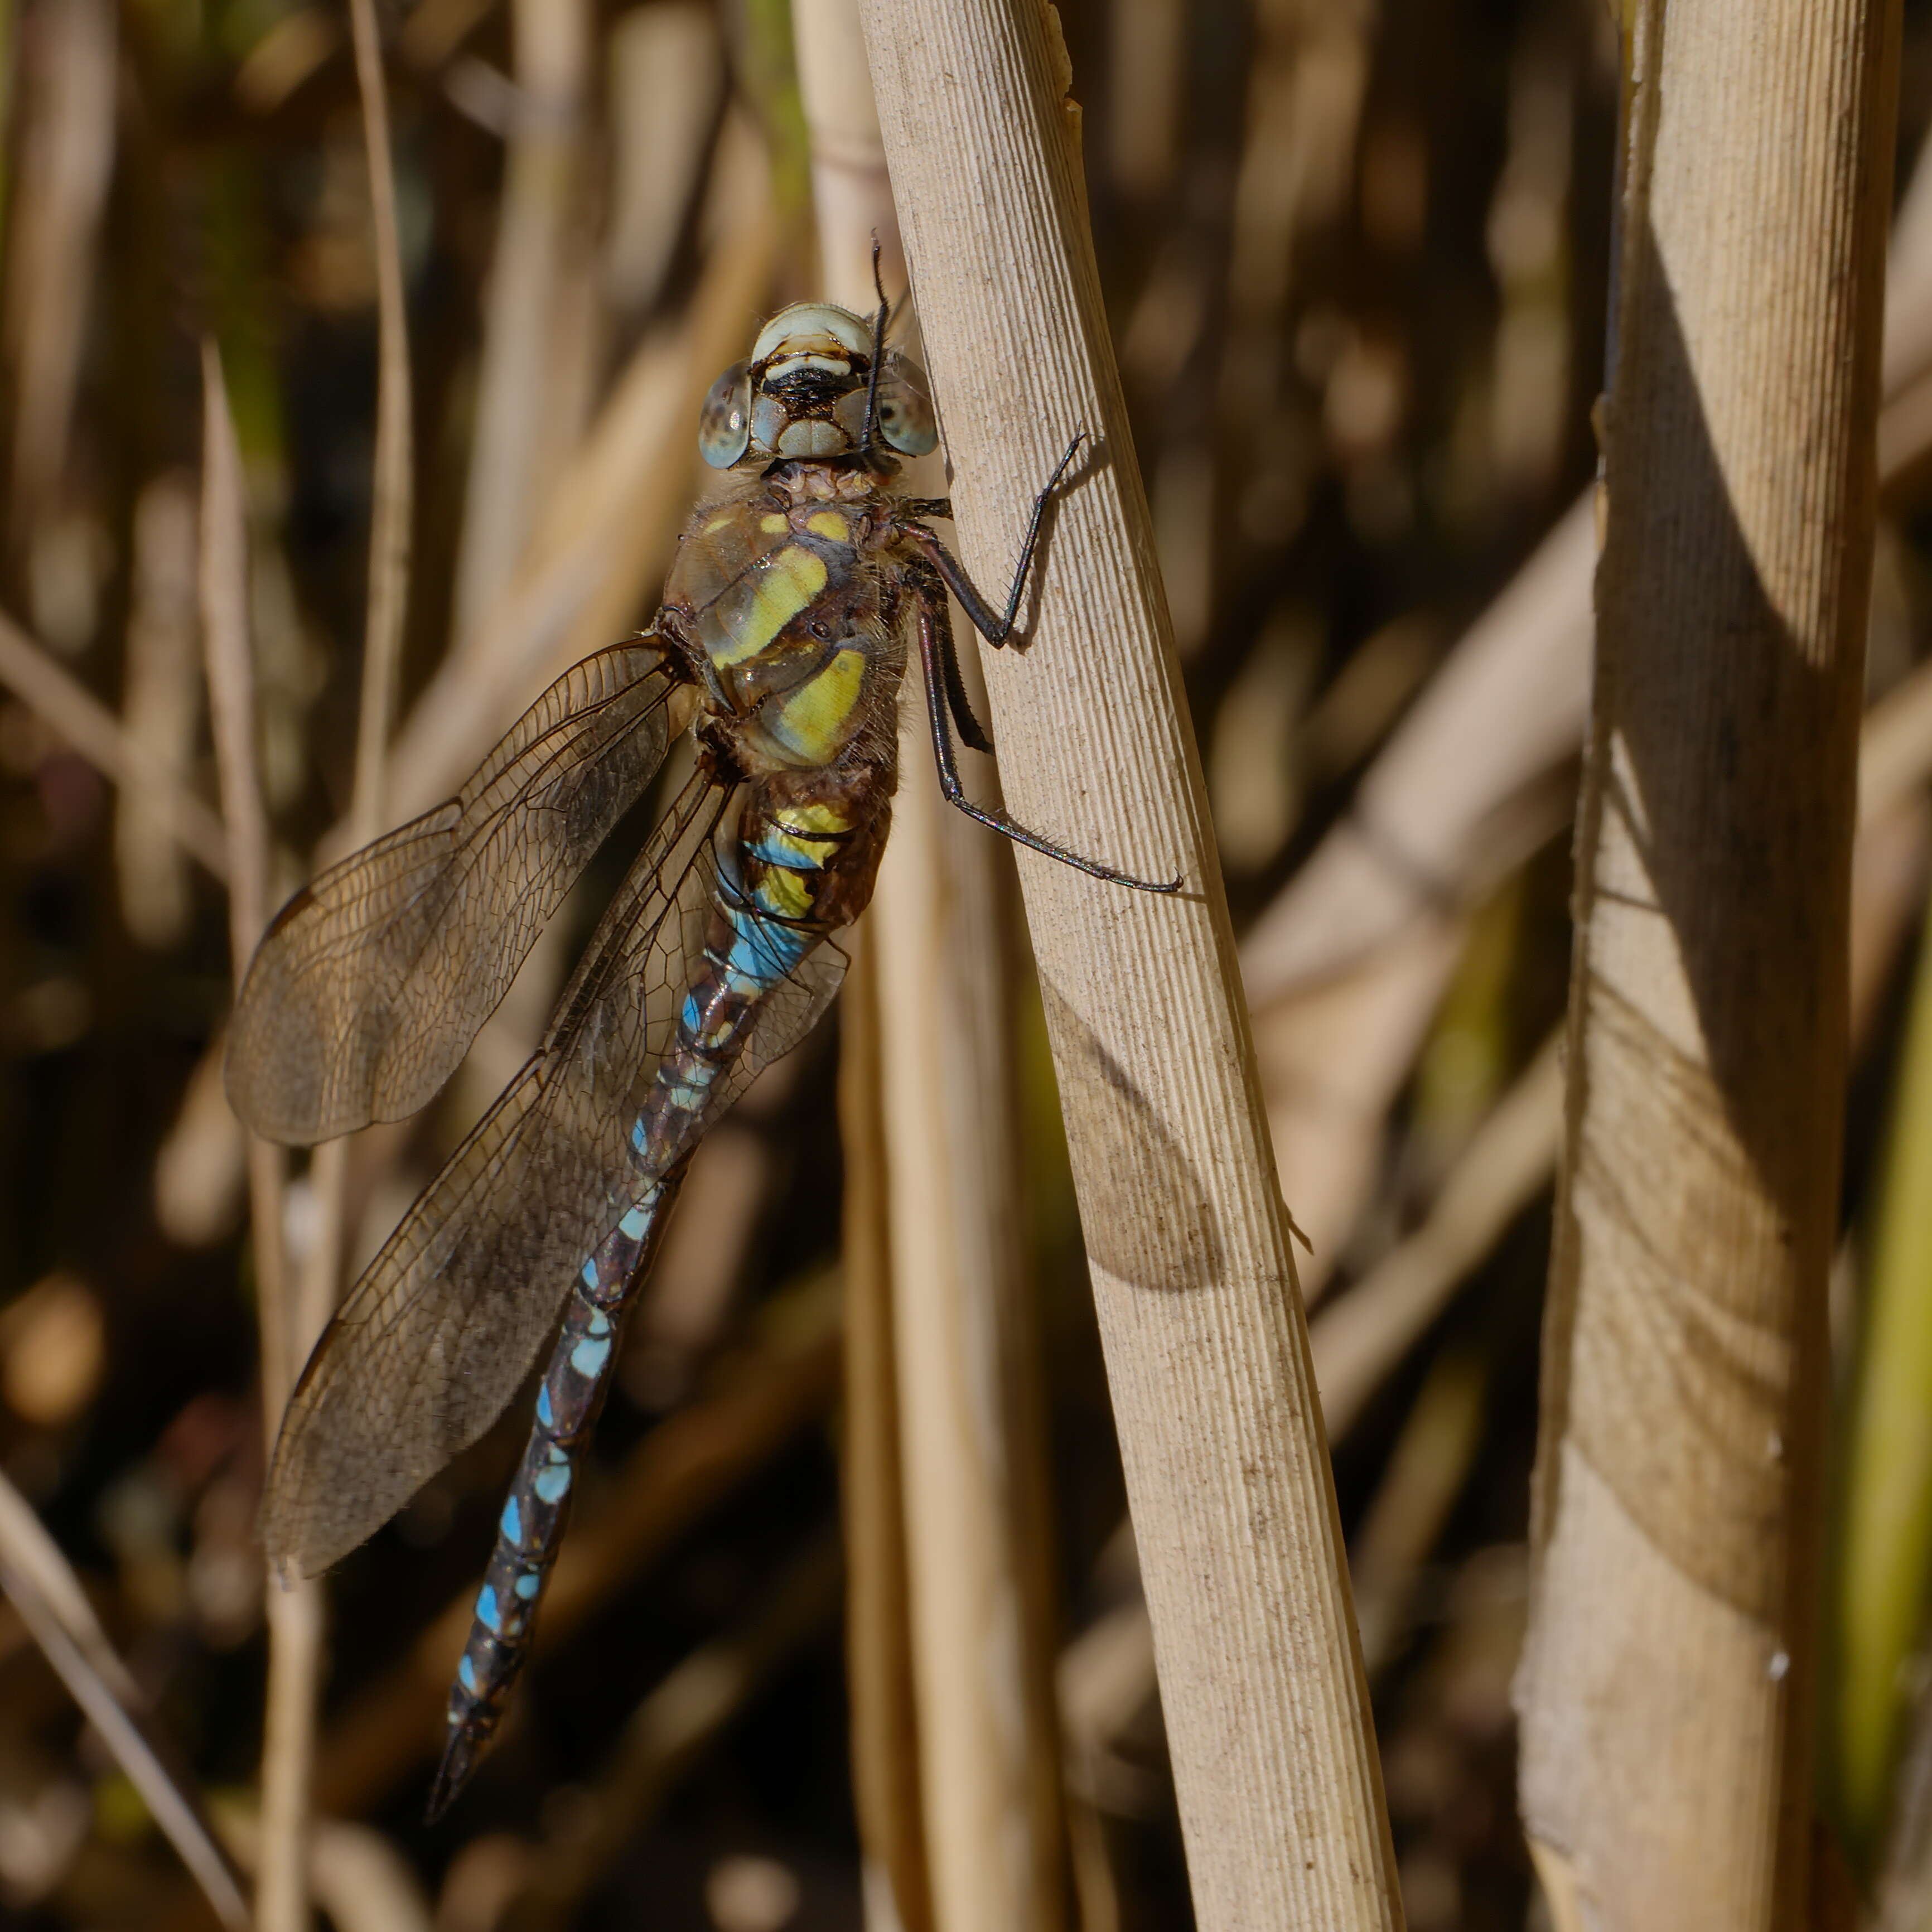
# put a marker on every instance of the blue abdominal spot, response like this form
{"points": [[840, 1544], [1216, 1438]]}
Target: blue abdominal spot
{"points": [[588, 1359], [763, 950]]}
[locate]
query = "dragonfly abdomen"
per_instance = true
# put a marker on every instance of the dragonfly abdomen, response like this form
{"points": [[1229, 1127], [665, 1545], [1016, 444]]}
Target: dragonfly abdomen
{"points": [[535, 1516], [801, 863], [802, 866]]}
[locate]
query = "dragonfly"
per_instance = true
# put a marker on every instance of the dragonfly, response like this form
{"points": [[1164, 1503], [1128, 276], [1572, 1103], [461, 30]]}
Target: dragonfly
{"points": [[787, 620]]}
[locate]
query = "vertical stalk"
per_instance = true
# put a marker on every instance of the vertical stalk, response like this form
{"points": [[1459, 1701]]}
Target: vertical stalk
{"points": [[296, 1663], [281, 1884], [969, 1446], [1206, 1345], [529, 386], [886, 1785], [1666, 1692]]}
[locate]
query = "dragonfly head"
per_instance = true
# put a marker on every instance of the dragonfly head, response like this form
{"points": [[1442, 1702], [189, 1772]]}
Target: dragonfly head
{"points": [[802, 394]]}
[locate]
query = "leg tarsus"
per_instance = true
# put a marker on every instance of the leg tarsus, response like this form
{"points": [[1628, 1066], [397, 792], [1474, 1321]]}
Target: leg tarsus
{"points": [[998, 629], [935, 633]]}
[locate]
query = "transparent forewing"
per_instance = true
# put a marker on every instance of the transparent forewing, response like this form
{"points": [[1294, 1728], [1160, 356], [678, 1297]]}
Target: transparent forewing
{"points": [[368, 989], [439, 1332]]}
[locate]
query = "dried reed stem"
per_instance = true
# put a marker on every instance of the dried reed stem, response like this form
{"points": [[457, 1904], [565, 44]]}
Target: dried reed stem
{"points": [[1666, 1689], [39, 1583], [391, 511], [296, 1663], [886, 1785], [529, 386], [1207, 1349], [161, 708], [293, 1616], [390, 519], [969, 1438]]}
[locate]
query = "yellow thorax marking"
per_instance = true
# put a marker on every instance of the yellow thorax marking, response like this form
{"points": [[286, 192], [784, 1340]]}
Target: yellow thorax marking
{"points": [[714, 524], [831, 525], [792, 578], [775, 525], [812, 721]]}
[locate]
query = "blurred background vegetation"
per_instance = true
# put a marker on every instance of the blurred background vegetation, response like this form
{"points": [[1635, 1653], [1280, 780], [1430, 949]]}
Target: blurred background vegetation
{"points": [[1356, 256]]}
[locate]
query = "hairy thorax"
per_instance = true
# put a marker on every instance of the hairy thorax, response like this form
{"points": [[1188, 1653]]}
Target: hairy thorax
{"points": [[791, 625]]}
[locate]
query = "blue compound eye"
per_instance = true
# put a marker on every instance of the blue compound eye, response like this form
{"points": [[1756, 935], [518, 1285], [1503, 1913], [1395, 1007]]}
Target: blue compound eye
{"points": [[905, 410], [724, 424]]}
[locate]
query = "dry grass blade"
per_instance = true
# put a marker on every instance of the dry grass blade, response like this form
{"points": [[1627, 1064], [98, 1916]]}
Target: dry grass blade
{"points": [[97, 734], [391, 514], [532, 383], [160, 709], [47, 1594], [667, 79], [1187, 1238], [1423, 836], [1345, 968], [359, 1878], [223, 575], [294, 1626], [389, 533], [1359, 1337], [295, 1659], [231, 683]]}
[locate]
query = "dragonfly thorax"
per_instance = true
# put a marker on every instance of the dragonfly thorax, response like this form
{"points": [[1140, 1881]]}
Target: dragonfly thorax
{"points": [[804, 394]]}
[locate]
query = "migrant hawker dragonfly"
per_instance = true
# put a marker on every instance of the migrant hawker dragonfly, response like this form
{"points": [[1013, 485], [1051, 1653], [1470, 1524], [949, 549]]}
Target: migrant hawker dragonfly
{"points": [[782, 641]]}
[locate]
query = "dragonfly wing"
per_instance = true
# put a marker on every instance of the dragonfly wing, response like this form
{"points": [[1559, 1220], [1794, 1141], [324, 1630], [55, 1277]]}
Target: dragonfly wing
{"points": [[445, 1321], [368, 988], [443, 1327]]}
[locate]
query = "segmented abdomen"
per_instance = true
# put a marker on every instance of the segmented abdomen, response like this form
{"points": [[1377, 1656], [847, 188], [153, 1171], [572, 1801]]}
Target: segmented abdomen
{"points": [[760, 928]]}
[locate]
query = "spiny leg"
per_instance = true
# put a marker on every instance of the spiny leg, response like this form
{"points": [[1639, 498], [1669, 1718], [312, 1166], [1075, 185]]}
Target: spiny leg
{"points": [[971, 729], [996, 630], [935, 642]]}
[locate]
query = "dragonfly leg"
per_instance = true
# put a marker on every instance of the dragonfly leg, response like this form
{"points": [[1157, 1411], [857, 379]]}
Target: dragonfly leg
{"points": [[947, 653], [935, 646], [997, 628]]}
